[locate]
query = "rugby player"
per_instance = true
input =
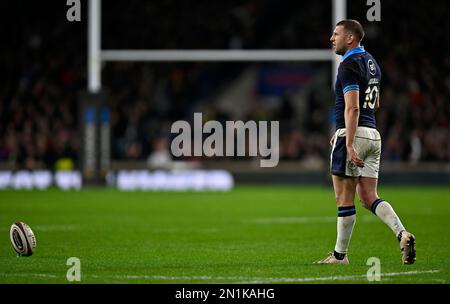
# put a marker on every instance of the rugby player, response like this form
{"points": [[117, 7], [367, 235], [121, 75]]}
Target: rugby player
{"points": [[356, 144]]}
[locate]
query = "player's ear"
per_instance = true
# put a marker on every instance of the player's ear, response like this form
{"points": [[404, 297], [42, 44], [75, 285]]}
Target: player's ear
{"points": [[350, 38]]}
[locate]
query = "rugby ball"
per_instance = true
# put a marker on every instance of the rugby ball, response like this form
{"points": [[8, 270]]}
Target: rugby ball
{"points": [[22, 239]]}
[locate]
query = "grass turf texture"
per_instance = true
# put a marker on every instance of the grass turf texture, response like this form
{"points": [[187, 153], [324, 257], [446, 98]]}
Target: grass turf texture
{"points": [[251, 234]]}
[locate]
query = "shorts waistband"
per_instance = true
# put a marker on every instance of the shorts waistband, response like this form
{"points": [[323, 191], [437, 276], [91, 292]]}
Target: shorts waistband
{"points": [[361, 132]]}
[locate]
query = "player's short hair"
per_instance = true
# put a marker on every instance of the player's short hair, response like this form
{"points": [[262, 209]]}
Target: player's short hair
{"points": [[354, 27]]}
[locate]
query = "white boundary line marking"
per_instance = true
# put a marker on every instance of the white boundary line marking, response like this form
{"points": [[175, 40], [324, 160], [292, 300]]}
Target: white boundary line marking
{"points": [[64, 228], [335, 278], [39, 275], [302, 220], [236, 279], [45, 228]]}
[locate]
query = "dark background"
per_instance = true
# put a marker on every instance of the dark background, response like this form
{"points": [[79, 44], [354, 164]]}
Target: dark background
{"points": [[44, 59]]}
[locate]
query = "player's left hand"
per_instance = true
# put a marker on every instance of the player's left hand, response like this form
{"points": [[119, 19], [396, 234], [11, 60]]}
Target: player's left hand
{"points": [[352, 155]]}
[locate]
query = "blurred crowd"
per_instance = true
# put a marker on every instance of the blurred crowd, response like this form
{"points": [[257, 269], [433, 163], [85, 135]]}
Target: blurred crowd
{"points": [[44, 71], [415, 102]]}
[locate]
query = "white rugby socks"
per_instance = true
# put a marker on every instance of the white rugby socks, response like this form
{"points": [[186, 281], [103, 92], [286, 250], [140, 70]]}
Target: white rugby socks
{"points": [[385, 212], [345, 223]]}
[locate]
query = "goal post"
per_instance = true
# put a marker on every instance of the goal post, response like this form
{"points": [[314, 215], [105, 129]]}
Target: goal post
{"points": [[97, 56], [216, 55]]}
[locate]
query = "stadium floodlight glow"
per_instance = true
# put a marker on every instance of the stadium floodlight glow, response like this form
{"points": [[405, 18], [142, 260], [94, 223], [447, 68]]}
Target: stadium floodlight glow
{"points": [[96, 55]]}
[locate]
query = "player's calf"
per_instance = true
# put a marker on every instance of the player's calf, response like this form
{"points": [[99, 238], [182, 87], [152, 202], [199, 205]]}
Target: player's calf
{"points": [[407, 240]]}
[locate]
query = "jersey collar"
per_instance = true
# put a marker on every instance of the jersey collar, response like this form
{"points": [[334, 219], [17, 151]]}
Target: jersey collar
{"points": [[355, 50]]}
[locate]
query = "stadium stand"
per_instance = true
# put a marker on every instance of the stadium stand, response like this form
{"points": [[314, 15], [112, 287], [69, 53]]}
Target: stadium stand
{"points": [[39, 93]]}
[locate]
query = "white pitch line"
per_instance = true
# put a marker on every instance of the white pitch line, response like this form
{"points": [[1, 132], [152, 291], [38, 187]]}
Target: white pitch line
{"points": [[302, 220], [176, 230], [169, 278], [55, 227], [247, 280], [240, 280], [335, 278], [292, 220], [26, 275], [46, 228]]}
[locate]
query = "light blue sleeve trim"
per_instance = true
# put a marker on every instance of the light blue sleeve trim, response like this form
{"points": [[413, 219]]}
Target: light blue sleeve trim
{"points": [[351, 87]]}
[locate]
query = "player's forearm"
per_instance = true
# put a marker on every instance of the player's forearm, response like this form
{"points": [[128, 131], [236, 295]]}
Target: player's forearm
{"points": [[351, 115]]}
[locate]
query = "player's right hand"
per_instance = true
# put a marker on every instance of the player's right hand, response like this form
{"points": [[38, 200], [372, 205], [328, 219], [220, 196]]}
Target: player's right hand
{"points": [[353, 157]]}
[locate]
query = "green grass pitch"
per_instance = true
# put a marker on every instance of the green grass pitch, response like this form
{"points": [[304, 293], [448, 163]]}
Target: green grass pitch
{"points": [[265, 234]]}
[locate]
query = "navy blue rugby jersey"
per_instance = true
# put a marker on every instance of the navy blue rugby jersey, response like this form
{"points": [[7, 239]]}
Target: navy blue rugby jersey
{"points": [[358, 71]]}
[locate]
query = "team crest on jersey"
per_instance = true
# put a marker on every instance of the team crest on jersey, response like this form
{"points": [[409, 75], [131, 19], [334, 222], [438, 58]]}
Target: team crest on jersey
{"points": [[371, 66]]}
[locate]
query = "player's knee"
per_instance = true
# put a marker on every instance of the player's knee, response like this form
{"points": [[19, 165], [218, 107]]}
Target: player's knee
{"points": [[340, 201], [365, 203], [366, 199], [337, 198], [343, 200]]}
